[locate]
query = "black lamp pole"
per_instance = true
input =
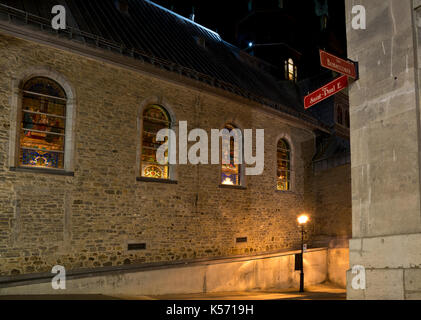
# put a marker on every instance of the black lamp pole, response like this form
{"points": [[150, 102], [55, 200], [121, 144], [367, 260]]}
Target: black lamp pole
{"points": [[302, 260]]}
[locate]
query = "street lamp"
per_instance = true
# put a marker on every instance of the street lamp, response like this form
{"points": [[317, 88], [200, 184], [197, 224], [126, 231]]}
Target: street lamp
{"points": [[302, 220]]}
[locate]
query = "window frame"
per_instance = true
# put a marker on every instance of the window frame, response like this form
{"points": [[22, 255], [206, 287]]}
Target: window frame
{"points": [[292, 154], [342, 111], [31, 94], [241, 168], [16, 120], [164, 104], [169, 122]]}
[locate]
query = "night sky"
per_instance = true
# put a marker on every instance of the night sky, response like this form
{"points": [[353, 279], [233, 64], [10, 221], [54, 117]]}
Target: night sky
{"points": [[300, 24]]}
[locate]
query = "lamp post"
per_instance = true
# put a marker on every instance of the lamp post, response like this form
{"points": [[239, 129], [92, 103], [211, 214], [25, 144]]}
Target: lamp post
{"points": [[302, 220]]}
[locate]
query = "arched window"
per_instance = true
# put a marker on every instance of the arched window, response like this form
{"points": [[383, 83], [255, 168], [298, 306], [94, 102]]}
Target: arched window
{"points": [[284, 166], [290, 70], [43, 124], [155, 118], [231, 173]]}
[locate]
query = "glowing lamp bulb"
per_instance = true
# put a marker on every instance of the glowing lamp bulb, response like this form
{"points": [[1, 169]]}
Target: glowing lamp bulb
{"points": [[303, 219], [250, 44]]}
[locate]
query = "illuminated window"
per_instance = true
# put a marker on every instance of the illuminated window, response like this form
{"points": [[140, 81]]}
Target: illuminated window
{"points": [[231, 173], [43, 124], [290, 70], [284, 166], [155, 118]]}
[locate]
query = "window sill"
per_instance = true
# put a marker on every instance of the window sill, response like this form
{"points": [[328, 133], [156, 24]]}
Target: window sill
{"points": [[167, 181], [285, 191], [43, 171], [227, 186]]}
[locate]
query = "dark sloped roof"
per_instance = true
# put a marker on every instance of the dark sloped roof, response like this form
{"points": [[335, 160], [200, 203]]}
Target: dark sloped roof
{"points": [[159, 36]]}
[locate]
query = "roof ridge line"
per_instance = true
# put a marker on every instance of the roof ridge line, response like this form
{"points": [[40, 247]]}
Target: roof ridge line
{"points": [[184, 18]]}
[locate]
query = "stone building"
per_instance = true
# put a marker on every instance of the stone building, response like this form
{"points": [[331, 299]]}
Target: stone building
{"points": [[385, 143], [79, 182]]}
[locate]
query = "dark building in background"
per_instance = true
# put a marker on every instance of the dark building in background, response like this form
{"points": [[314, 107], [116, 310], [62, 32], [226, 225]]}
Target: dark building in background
{"points": [[287, 36], [277, 29]]}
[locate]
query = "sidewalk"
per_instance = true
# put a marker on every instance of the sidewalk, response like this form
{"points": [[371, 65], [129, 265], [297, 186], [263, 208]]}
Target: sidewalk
{"points": [[319, 292]]}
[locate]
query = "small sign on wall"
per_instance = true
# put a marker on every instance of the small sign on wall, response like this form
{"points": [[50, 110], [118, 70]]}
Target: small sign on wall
{"points": [[326, 91], [298, 262], [241, 240]]}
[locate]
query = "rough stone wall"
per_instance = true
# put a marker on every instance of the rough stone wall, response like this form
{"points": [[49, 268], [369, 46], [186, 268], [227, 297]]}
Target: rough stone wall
{"points": [[333, 202], [87, 220], [267, 272]]}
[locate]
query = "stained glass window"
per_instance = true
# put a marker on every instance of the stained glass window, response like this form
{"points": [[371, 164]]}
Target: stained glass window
{"points": [[284, 166], [155, 118], [43, 124], [231, 173]]}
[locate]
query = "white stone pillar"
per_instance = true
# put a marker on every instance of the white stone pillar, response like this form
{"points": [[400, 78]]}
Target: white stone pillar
{"points": [[385, 143]]}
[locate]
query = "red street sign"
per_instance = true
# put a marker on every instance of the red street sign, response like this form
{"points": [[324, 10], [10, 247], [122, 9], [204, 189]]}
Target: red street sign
{"points": [[339, 65], [325, 92]]}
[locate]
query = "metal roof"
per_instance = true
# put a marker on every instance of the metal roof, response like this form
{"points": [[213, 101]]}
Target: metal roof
{"points": [[159, 36]]}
